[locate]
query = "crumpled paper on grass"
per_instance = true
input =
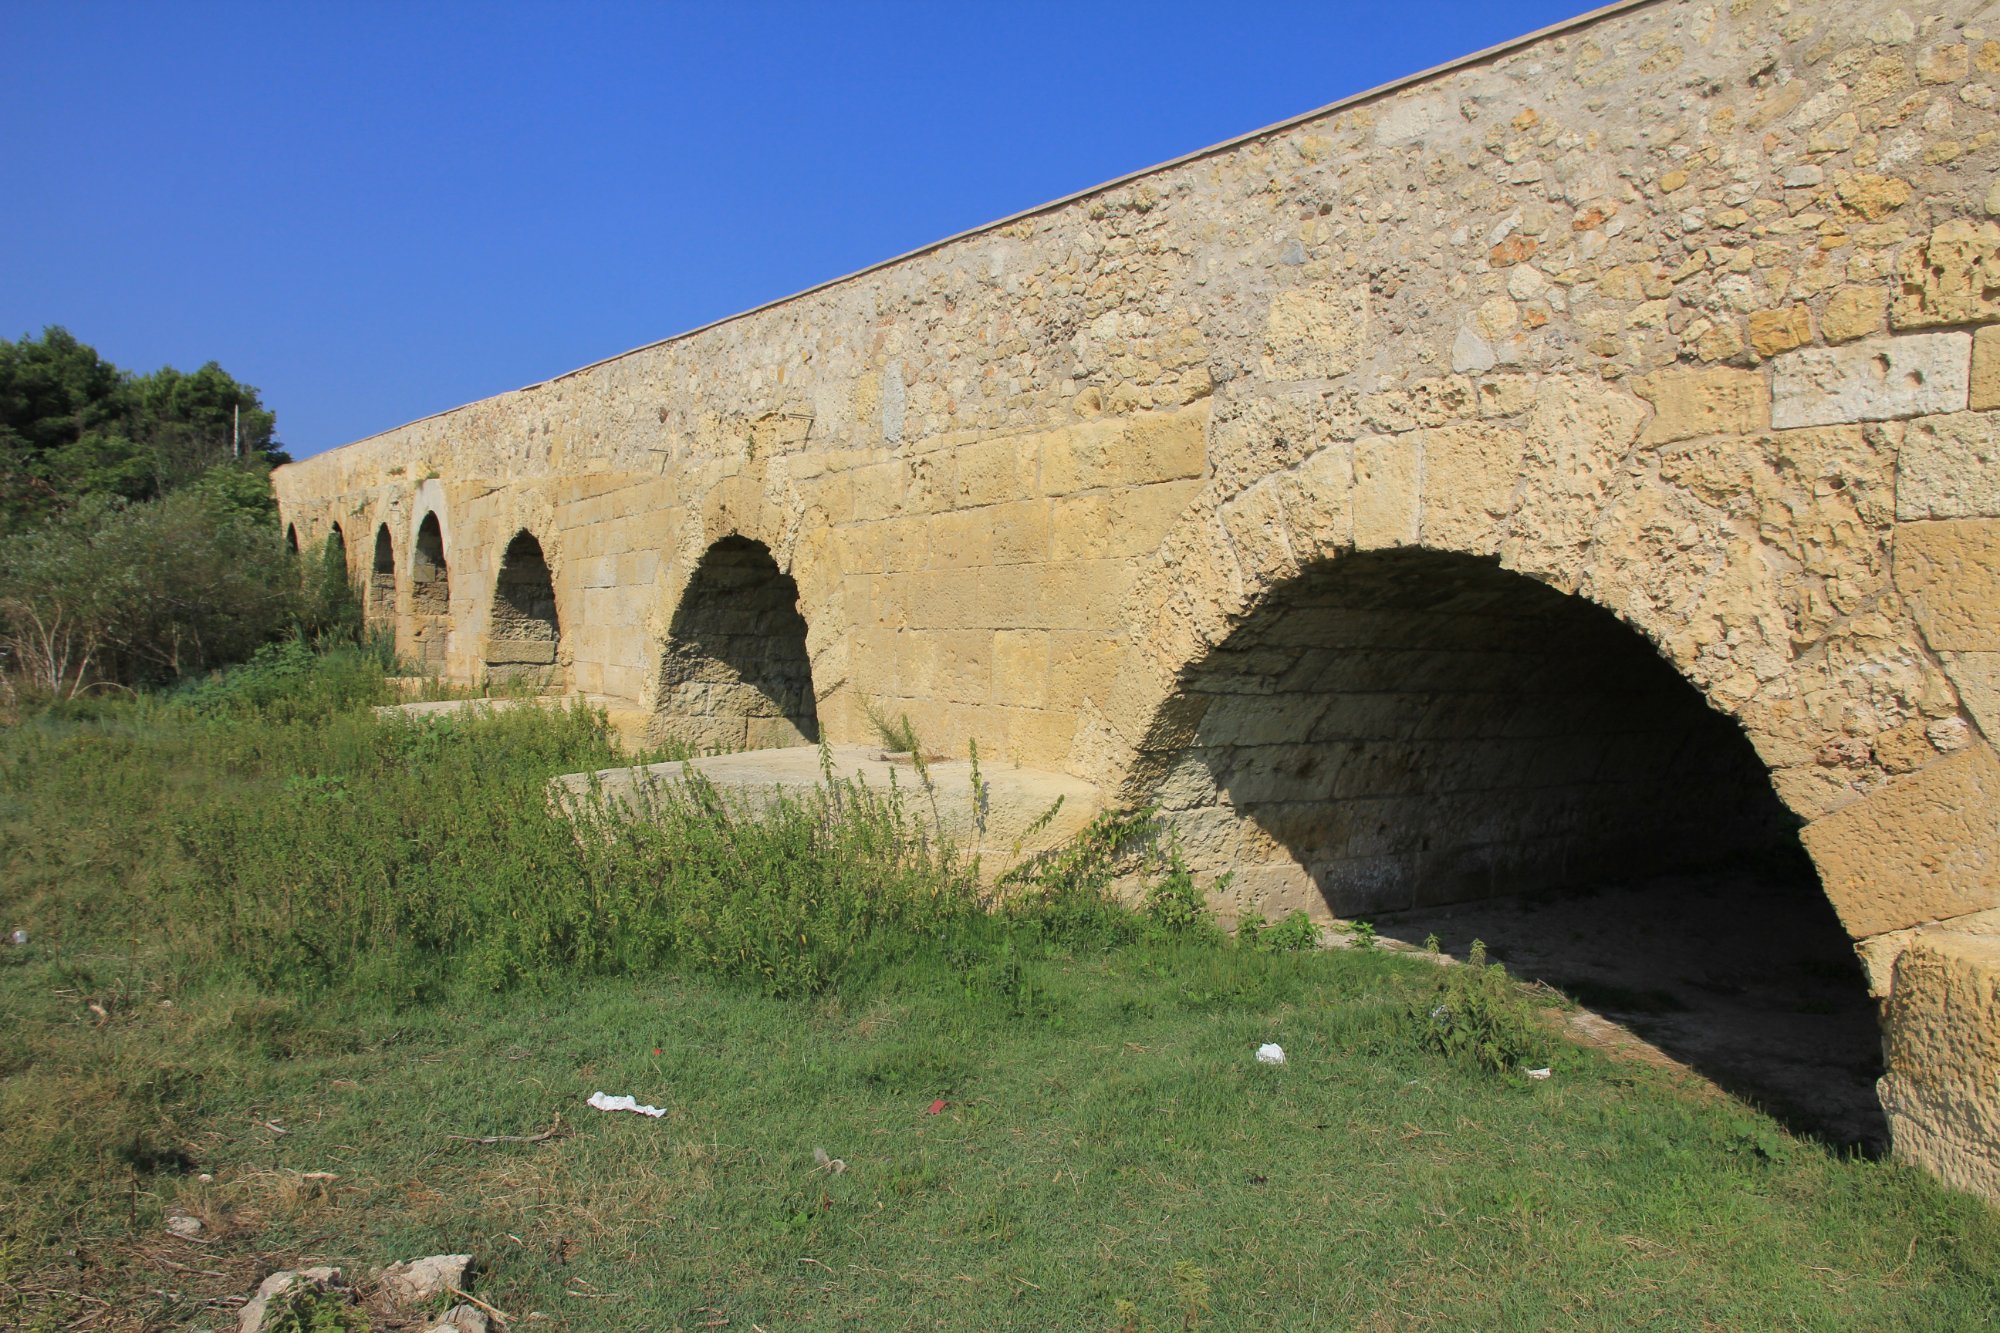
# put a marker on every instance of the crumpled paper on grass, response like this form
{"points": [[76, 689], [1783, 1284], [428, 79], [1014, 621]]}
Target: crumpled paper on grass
{"points": [[605, 1103]]}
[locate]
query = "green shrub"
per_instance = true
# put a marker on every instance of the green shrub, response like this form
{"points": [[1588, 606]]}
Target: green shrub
{"points": [[1478, 1015], [1295, 934]]}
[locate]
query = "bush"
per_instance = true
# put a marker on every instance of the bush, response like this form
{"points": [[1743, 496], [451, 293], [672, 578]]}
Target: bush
{"points": [[140, 594], [1480, 1016]]}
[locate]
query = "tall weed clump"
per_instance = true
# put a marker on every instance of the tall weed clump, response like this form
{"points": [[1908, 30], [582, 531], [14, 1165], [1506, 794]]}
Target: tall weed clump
{"points": [[791, 891]]}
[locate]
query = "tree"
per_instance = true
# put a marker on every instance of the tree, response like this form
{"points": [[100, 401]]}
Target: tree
{"points": [[74, 425]]}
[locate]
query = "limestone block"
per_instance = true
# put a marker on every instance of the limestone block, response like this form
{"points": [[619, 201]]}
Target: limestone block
{"points": [[992, 471], [521, 652], [1876, 380], [1986, 368], [1953, 278], [1021, 668], [1387, 491], [1854, 312], [1115, 524], [1942, 1034], [1255, 521], [1318, 496], [1315, 334], [1775, 331], [1949, 573], [1469, 478], [1949, 467], [1687, 403], [1878, 953], [1157, 446], [1976, 677], [1923, 847], [1020, 531]]}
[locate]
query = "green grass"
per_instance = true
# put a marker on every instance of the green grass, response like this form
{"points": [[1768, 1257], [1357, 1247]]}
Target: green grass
{"points": [[411, 956]]}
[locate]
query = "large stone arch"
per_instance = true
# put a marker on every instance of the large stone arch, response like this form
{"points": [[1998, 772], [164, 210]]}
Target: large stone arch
{"points": [[735, 672], [524, 628]]}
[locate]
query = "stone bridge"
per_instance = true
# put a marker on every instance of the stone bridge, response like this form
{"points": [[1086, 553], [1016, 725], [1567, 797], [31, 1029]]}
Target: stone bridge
{"points": [[1575, 459]]}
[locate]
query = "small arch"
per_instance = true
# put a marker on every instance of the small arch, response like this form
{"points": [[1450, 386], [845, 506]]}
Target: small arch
{"points": [[292, 537], [735, 673], [335, 551], [1441, 746], [524, 636], [382, 576], [430, 593]]}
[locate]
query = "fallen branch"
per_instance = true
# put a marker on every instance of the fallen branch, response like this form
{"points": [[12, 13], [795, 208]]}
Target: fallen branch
{"points": [[499, 1314]]}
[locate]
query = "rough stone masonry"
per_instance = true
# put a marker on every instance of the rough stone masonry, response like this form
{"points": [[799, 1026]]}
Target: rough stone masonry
{"points": [[1581, 453]]}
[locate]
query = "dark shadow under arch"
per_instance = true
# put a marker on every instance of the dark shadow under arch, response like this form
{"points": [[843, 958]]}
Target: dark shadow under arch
{"points": [[430, 594], [524, 637], [1436, 744], [292, 537], [735, 673], [382, 576]]}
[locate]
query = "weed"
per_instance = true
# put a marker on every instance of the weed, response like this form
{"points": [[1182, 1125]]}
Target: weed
{"points": [[1479, 1015]]}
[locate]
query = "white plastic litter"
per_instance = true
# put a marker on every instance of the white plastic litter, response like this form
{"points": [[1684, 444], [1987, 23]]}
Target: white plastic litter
{"points": [[19, 937], [1539, 1073], [604, 1103], [1270, 1053]]}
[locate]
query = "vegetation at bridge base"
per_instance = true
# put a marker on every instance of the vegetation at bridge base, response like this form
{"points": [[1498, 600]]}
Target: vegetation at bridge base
{"points": [[280, 951]]}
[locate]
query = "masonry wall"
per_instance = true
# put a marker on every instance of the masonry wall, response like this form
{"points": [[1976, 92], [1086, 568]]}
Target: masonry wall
{"points": [[1691, 311]]}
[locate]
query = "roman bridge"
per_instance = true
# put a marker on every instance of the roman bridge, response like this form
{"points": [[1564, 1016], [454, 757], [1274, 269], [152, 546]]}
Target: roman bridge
{"points": [[1579, 460]]}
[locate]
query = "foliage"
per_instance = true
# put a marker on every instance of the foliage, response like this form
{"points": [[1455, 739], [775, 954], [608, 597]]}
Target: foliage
{"points": [[1178, 907], [1295, 934], [1480, 1016], [304, 1307], [142, 593], [72, 425]]}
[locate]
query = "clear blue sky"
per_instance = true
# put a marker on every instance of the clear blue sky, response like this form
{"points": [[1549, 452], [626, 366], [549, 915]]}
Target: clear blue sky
{"points": [[375, 212]]}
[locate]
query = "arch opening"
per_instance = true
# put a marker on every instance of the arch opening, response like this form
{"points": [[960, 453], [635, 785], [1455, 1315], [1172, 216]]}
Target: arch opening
{"points": [[430, 594], [735, 673], [1437, 745], [382, 576], [292, 537], [524, 636]]}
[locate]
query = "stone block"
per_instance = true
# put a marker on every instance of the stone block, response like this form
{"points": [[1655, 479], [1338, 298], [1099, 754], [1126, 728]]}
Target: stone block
{"points": [[1942, 1037], [1949, 467], [1924, 847], [1953, 278], [992, 471], [1876, 380], [1688, 403], [1387, 498], [1985, 368], [1154, 447], [1775, 331], [1117, 524], [1470, 475], [1949, 573], [1021, 668], [1854, 312], [1976, 677], [520, 652], [1315, 333], [1318, 496], [1878, 953]]}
